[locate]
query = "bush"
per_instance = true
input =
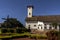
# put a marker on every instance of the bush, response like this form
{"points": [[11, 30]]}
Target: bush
{"points": [[43, 37], [24, 30], [19, 31], [4, 30], [37, 36], [11, 31], [52, 35], [59, 35], [52, 32], [33, 36]]}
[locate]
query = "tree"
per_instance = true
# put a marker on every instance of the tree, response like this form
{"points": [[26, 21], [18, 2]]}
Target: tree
{"points": [[55, 25], [11, 23], [52, 35]]}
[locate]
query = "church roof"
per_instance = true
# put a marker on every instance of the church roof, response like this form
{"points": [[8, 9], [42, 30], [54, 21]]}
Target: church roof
{"points": [[50, 18]]}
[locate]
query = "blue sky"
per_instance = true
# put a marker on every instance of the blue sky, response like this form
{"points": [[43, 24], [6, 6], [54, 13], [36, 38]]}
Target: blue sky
{"points": [[18, 8]]}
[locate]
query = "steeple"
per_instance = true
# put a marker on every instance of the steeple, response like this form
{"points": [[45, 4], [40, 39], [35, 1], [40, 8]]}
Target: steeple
{"points": [[30, 9]]}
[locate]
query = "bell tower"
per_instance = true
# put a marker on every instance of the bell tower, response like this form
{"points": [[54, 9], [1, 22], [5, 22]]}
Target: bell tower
{"points": [[29, 10]]}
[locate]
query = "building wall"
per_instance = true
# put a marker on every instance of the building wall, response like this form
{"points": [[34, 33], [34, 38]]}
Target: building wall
{"points": [[30, 11], [33, 25], [40, 25], [49, 24]]}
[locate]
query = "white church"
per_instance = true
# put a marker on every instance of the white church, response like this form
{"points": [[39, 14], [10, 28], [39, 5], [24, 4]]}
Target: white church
{"points": [[41, 23]]}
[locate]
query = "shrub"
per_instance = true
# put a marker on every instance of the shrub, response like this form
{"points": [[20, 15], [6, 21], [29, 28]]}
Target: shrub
{"points": [[19, 30], [4, 30], [52, 35], [43, 37], [11, 31], [37, 36], [52, 32]]}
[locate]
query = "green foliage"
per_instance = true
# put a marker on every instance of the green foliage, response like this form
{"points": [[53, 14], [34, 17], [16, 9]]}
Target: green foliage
{"points": [[59, 35], [54, 24], [4, 30], [37, 36], [29, 30], [18, 30], [11, 31], [11, 23], [53, 34], [26, 34]]}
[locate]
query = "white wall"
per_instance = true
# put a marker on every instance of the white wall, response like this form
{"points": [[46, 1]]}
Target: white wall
{"points": [[31, 25], [58, 27], [30, 11], [48, 26], [37, 25], [42, 25]]}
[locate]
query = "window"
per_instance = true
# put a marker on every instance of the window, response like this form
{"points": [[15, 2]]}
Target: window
{"points": [[28, 25], [59, 26], [45, 24], [34, 25], [38, 27], [55, 27], [45, 27], [29, 13], [50, 27], [41, 27]]}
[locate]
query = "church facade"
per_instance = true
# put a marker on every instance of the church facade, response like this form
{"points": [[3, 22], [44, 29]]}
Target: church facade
{"points": [[48, 22]]}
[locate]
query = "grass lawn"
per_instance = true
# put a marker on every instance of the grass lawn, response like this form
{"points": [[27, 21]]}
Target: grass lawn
{"points": [[10, 35]]}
